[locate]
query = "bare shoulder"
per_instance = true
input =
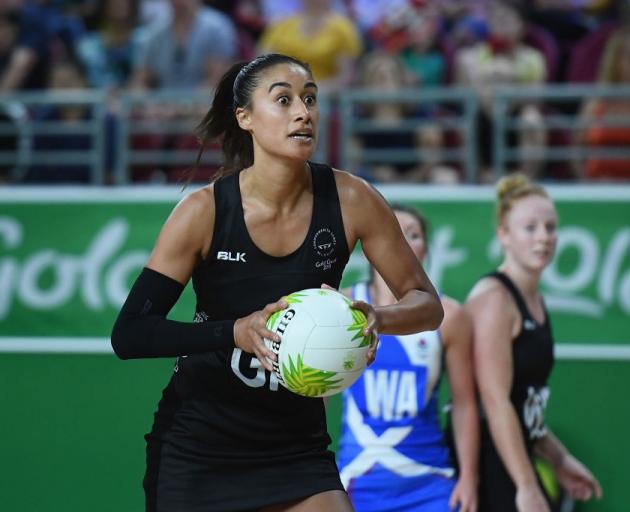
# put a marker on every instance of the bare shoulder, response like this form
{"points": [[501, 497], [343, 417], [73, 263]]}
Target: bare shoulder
{"points": [[363, 207], [487, 289], [352, 189], [198, 203], [185, 236], [490, 303]]}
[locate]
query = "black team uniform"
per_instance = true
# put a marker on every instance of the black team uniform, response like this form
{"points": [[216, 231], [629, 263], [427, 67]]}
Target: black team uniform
{"points": [[532, 352], [227, 436]]}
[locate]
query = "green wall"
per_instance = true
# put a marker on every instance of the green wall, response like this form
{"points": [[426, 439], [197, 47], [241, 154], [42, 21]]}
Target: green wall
{"points": [[72, 424], [72, 429]]}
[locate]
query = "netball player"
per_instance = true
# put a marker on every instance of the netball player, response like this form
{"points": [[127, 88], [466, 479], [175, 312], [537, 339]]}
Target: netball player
{"points": [[513, 351], [392, 452], [226, 436]]}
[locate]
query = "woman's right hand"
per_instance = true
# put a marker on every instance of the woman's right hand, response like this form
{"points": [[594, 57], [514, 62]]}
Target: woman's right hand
{"points": [[251, 331], [531, 499]]}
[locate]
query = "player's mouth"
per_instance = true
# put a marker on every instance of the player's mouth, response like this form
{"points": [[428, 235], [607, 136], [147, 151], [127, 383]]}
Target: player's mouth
{"points": [[305, 135]]}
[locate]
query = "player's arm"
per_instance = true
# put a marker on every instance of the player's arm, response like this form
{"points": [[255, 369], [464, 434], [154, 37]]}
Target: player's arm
{"points": [[142, 329], [576, 478], [368, 218], [495, 319], [456, 333]]}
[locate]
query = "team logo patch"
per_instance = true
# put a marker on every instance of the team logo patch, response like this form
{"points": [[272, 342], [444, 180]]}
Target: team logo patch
{"points": [[324, 242]]}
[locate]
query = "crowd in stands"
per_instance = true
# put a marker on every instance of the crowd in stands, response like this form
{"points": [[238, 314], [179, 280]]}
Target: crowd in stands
{"points": [[381, 45]]}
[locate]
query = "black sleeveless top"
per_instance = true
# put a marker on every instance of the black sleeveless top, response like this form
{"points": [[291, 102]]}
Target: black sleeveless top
{"points": [[532, 354], [223, 404]]}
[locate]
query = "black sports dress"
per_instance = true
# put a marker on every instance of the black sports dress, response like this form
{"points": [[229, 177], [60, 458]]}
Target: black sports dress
{"points": [[226, 435], [532, 352]]}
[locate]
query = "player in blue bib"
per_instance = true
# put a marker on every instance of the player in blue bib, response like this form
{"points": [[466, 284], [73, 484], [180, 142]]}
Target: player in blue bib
{"points": [[392, 451]]}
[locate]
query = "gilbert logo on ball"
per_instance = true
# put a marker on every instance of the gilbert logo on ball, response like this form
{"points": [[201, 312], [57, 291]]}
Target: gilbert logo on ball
{"points": [[323, 350]]}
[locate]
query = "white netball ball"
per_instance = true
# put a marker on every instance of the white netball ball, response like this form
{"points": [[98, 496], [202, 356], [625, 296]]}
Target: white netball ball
{"points": [[323, 350]]}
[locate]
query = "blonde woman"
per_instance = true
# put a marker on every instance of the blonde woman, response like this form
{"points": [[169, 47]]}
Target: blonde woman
{"points": [[513, 355]]}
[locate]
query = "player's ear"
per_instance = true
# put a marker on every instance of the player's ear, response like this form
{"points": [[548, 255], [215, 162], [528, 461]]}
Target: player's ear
{"points": [[243, 118]]}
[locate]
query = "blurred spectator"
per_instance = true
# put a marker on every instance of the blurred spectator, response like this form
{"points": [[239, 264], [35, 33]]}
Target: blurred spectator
{"points": [[384, 72], [368, 13], [469, 30], [413, 31], [45, 33], [329, 42], [108, 53], [9, 29], [26, 64], [191, 48], [614, 70], [65, 74], [275, 10], [505, 60], [568, 21]]}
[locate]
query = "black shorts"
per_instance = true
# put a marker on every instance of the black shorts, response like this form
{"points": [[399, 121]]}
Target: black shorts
{"points": [[179, 480]]}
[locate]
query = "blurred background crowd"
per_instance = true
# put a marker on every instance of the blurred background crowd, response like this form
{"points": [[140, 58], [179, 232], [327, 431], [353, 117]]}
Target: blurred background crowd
{"points": [[109, 91]]}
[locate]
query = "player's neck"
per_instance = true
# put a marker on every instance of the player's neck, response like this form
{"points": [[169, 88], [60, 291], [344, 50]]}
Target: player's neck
{"points": [[525, 280], [279, 186]]}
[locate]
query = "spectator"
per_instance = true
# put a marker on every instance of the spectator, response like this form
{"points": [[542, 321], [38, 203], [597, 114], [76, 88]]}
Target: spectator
{"points": [[44, 33], [327, 41], [9, 29], [191, 48], [383, 72], [614, 70], [504, 60], [413, 31], [108, 53], [275, 10], [65, 74]]}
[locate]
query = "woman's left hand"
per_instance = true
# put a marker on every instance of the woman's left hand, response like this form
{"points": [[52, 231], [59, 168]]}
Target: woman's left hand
{"points": [[577, 480], [464, 496], [371, 327]]}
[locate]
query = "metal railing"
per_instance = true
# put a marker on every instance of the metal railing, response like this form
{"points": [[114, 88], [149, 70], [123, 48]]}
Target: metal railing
{"points": [[460, 104], [35, 121], [172, 116], [168, 120], [560, 106]]}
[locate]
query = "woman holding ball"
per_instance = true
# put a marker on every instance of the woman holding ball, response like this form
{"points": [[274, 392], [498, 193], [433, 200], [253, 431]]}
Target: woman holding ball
{"points": [[392, 452], [226, 436], [513, 353]]}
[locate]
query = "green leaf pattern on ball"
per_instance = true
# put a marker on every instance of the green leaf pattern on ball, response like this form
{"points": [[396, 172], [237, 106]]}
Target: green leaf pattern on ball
{"points": [[308, 381], [359, 321], [293, 298]]}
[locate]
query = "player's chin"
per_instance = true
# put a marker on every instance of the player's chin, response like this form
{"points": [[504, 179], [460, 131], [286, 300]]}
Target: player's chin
{"points": [[303, 148]]}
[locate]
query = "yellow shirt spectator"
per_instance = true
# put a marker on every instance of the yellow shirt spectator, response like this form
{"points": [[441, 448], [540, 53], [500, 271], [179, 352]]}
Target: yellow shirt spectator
{"points": [[323, 47]]}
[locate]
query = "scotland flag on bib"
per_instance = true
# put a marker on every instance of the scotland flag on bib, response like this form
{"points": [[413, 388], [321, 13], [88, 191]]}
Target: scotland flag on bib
{"points": [[392, 454]]}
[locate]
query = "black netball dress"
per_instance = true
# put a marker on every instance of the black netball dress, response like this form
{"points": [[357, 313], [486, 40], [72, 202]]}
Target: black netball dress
{"points": [[532, 353], [226, 435]]}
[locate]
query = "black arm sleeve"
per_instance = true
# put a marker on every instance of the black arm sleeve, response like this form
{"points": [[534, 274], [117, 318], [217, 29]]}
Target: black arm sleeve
{"points": [[142, 330]]}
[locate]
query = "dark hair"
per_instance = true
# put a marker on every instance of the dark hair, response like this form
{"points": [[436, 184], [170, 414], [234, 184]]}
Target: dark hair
{"points": [[422, 220], [235, 90]]}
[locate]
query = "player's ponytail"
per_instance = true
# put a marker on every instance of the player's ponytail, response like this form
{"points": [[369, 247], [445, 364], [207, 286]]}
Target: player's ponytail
{"points": [[220, 123], [511, 188], [235, 90]]}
